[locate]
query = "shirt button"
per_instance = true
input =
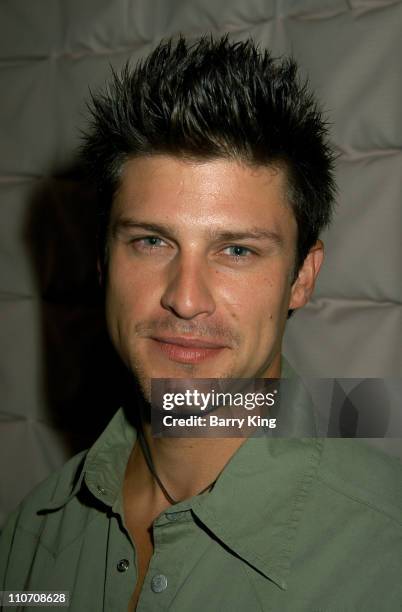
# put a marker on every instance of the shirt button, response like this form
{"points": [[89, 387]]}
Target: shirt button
{"points": [[122, 565], [101, 489], [159, 583]]}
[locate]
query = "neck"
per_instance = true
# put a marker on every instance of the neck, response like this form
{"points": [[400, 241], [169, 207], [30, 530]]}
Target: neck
{"points": [[185, 466]]}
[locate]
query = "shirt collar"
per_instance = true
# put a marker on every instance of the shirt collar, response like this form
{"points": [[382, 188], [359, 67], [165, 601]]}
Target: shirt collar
{"points": [[257, 502], [249, 509], [107, 459], [102, 471]]}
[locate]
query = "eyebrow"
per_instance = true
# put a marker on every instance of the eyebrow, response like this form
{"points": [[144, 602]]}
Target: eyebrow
{"points": [[253, 233]]}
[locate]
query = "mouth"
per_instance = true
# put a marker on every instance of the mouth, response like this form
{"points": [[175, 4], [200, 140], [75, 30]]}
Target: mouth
{"points": [[187, 350]]}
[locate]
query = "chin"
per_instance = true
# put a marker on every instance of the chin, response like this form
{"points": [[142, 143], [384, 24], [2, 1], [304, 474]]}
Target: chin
{"points": [[144, 376]]}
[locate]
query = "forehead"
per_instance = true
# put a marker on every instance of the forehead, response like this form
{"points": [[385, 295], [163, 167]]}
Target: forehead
{"points": [[204, 195]]}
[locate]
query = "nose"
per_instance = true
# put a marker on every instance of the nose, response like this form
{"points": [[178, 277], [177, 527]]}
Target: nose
{"points": [[187, 294]]}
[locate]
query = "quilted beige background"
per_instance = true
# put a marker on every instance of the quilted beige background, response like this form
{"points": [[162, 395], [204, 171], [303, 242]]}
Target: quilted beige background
{"points": [[59, 379]]}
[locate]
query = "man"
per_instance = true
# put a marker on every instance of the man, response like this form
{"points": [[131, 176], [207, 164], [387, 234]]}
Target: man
{"points": [[215, 180]]}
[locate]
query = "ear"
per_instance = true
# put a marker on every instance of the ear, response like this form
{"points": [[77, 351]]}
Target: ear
{"points": [[303, 286]]}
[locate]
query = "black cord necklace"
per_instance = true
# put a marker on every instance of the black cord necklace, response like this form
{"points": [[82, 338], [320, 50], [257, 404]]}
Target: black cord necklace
{"points": [[146, 451]]}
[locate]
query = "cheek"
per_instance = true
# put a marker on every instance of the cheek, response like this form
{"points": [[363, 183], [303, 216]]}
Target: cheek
{"points": [[254, 301], [269, 304], [235, 289], [127, 291]]}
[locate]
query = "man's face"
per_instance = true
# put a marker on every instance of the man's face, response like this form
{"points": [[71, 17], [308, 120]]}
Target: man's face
{"points": [[201, 262]]}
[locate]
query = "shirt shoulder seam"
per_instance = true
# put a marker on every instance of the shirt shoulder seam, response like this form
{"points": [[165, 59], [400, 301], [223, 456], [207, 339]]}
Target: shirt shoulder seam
{"points": [[329, 482], [37, 538]]}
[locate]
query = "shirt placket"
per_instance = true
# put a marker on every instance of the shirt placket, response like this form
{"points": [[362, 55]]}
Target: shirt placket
{"points": [[121, 574], [171, 532]]}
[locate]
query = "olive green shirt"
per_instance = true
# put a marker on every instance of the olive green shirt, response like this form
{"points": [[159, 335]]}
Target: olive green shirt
{"points": [[301, 524]]}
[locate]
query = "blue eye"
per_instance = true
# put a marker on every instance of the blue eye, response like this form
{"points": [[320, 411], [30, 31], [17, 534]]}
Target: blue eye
{"points": [[152, 241], [239, 251], [147, 244]]}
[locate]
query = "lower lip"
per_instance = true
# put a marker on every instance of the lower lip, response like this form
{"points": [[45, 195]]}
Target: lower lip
{"points": [[187, 354]]}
